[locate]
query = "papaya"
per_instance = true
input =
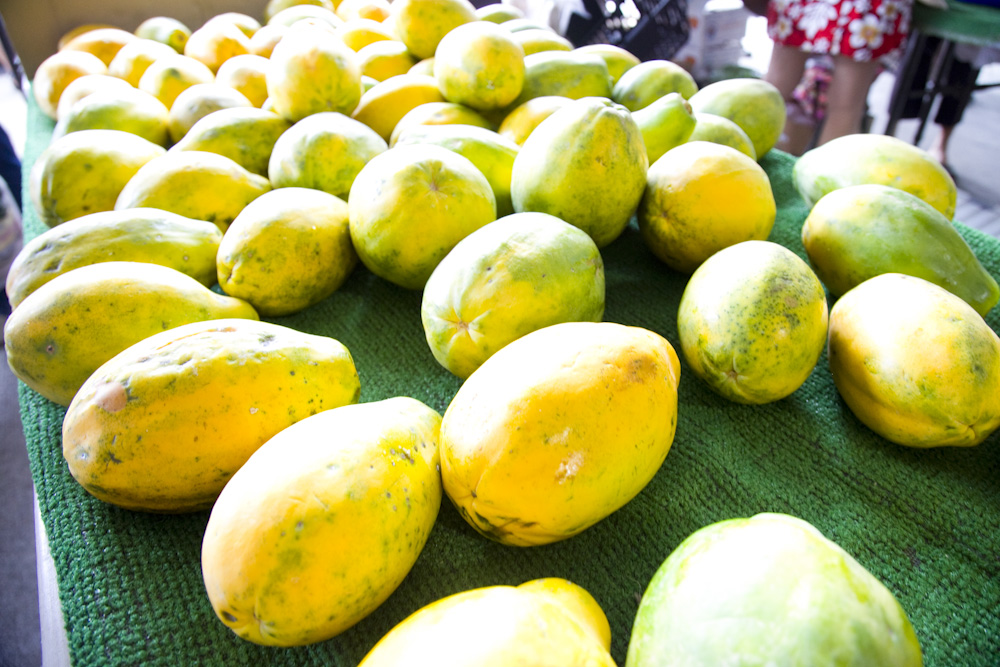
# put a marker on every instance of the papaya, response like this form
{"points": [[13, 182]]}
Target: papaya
{"points": [[915, 363], [385, 59], [382, 107], [665, 123], [523, 119], [105, 43], [373, 10], [247, 24], [133, 235], [766, 567], [421, 24], [130, 63], [245, 135], [439, 113], [84, 86], [498, 13], [719, 130], [85, 172], [565, 74], [491, 153], [195, 184], [566, 164], [200, 100], [307, 15], [516, 275], [167, 77], [860, 231], [246, 74], [310, 73], [60, 333], [264, 40], [287, 250], [559, 429], [164, 424], [58, 71], [753, 104], [358, 33], [128, 110], [544, 623], [275, 6], [362, 474], [215, 42], [409, 206], [537, 41], [752, 322], [479, 65], [324, 151], [702, 197], [165, 30], [647, 82], [617, 59], [858, 159]]}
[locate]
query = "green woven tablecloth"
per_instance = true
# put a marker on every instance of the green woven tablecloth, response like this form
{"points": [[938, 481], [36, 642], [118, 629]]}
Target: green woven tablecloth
{"points": [[926, 523]]}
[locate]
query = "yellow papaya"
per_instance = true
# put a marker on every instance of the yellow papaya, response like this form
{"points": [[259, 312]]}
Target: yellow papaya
{"points": [[133, 235], [165, 423], [544, 623], [367, 473], [65, 329], [559, 429], [915, 363]]}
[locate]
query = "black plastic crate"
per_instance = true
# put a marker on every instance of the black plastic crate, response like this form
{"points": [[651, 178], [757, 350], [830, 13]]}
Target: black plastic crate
{"points": [[650, 29]]}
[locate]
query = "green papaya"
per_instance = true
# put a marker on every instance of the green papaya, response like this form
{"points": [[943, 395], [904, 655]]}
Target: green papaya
{"points": [[857, 159], [647, 82], [861, 231], [563, 73], [245, 135], [585, 164], [135, 235], [666, 123]]}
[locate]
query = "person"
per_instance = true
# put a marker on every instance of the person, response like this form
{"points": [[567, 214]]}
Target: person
{"points": [[855, 34], [957, 84]]}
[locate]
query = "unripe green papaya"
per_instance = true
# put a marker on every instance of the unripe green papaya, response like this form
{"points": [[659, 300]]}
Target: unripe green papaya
{"points": [[243, 134], [563, 73], [647, 82], [857, 159], [133, 235], [586, 164], [63, 331], [861, 231], [665, 123]]}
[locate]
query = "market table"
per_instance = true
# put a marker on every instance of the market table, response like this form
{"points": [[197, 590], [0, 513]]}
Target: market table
{"points": [[925, 522]]}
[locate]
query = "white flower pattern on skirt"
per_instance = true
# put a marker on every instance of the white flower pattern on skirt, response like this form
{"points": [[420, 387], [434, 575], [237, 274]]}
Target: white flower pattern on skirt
{"points": [[860, 29]]}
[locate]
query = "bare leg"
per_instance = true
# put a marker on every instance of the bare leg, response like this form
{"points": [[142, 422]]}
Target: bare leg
{"points": [[785, 70], [846, 97], [784, 73], [939, 149]]}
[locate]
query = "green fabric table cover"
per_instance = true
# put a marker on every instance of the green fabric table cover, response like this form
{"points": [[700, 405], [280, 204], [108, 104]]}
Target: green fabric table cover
{"points": [[962, 22], [925, 522]]}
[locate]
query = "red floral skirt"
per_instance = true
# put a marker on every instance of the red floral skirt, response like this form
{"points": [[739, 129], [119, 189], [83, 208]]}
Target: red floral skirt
{"points": [[859, 29]]}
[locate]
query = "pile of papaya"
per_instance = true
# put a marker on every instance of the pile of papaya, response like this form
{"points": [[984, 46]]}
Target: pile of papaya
{"points": [[201, 180]]}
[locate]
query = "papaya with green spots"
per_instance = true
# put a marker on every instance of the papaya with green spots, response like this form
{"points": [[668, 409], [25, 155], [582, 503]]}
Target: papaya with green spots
{"points": [[323, 522], [163, 425], [752, 322], [245, 135], [133, 235], [64, 330], [585, 164]]}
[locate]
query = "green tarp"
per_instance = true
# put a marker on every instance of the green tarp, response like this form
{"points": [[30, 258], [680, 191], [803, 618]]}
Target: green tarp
{"points": [[926, 523]]}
